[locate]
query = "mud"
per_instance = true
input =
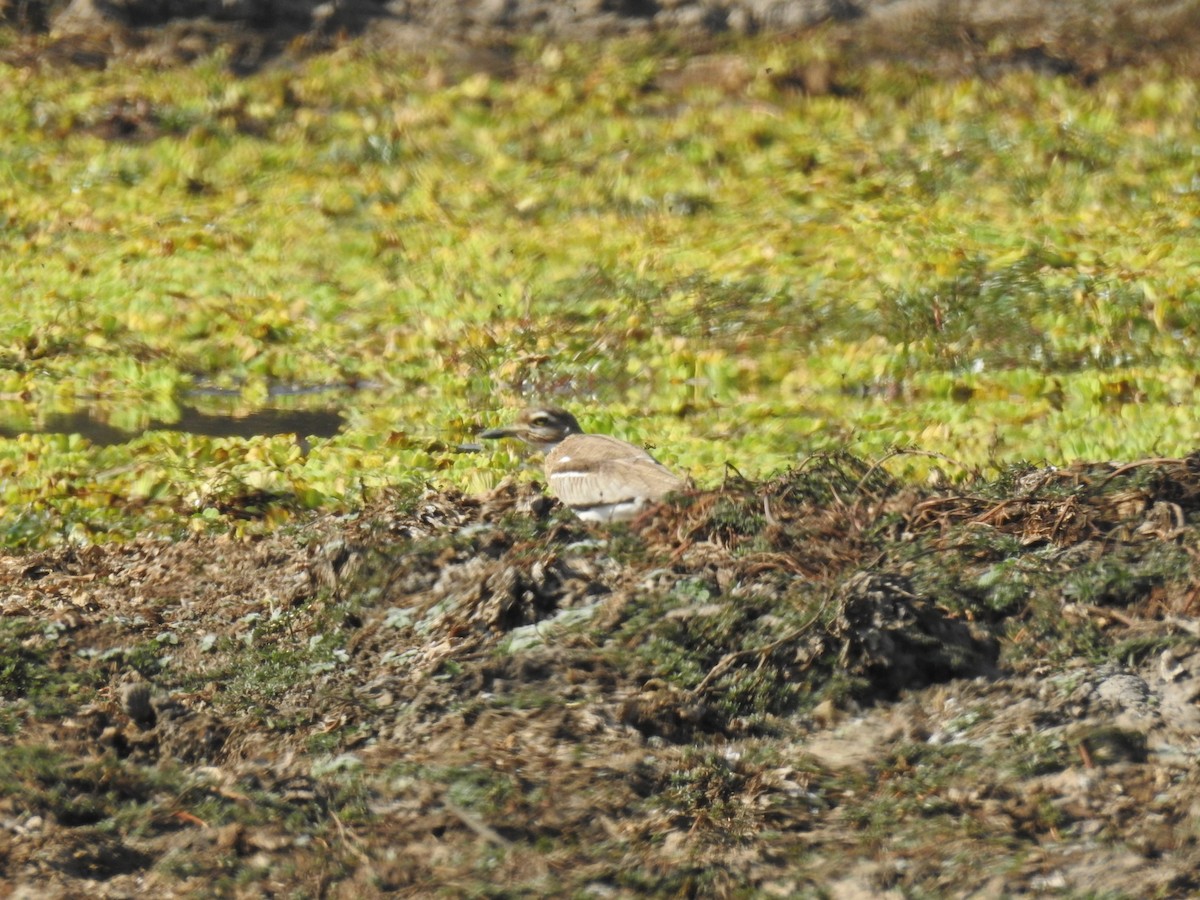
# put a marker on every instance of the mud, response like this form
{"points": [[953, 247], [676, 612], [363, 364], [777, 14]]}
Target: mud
{"points": [[960, 38]]}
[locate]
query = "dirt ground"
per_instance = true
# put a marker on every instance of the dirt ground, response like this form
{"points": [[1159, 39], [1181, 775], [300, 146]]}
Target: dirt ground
{"points": [[827, 685], [955, 38]]}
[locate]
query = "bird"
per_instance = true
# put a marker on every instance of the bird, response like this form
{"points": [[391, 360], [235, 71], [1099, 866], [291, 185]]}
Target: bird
{"points": [[599, 477]]}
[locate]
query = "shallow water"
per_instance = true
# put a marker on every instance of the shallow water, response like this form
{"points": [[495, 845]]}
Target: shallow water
{"points": [[304, 423]]}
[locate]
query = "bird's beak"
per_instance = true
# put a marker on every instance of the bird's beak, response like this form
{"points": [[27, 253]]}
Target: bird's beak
{"points": [[504, 431]]}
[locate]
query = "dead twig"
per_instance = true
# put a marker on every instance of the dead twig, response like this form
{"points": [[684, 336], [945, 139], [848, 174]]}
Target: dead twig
{"points": [[349, 840], [767, 514], [1103, 612], [476, 824], [987, 517], [1137, 464], [1086, 756], [908, 451]]}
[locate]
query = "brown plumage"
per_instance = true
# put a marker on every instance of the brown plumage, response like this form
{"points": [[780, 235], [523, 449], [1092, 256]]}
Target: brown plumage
{"points": [[602, 478]]}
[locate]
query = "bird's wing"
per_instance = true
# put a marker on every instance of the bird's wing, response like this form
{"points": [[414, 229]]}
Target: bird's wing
{"points": [[595, 446], [603, 481]]}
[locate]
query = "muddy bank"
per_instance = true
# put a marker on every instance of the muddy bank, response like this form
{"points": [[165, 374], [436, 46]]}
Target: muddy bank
{"points": [[825, 682], [960, 37]]}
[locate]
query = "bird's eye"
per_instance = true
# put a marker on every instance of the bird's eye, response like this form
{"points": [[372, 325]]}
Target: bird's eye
{"points": [[540, 420]]}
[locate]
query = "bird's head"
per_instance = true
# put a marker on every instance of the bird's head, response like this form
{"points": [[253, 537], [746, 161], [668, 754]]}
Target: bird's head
{"points": [[542, 427]]}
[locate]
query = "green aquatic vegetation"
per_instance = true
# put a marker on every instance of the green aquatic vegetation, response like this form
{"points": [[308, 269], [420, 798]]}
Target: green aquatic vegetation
{"points": [[994, 269]]}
